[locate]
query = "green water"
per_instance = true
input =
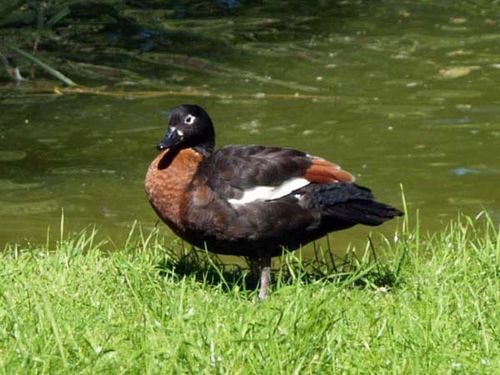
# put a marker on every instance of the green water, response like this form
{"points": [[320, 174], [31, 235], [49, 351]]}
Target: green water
{"points": [[397, 93]]}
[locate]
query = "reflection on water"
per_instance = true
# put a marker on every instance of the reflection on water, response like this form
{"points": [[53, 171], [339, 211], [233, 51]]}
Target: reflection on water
{"points": [[402, 94]]}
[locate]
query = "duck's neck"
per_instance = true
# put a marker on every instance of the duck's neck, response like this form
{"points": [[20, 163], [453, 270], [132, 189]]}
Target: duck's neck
{"points": [[167, 182], [205, 149], [204, 144]]}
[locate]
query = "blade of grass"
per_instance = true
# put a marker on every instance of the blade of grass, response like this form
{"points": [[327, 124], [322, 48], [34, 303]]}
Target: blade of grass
{"points": [[59, 15], [55, 329], [57, 74]]}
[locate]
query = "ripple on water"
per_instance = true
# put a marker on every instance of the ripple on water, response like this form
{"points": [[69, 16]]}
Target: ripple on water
{"points": [[486, 170], [447, 94], [456, 71], [26, 208], [12, 155], [464, 171], [80, 171], [70, 171], [11, 185]]}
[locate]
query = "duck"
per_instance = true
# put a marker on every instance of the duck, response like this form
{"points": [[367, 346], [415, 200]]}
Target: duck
{"points": [[251, 200]]}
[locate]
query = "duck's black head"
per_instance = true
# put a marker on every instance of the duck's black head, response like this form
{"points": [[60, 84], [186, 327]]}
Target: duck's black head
{"points": [[189, 126]]}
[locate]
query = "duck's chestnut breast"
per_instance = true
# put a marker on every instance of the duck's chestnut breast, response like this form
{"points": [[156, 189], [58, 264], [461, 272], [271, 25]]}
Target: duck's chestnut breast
{"points": [[167, 181]]}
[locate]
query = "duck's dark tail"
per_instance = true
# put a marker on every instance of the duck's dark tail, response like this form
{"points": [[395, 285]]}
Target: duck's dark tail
{"points": [[346, 204]]}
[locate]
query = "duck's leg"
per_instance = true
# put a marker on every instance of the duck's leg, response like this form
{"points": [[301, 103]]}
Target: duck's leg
{"points": [[261, 268], [265, 276]]}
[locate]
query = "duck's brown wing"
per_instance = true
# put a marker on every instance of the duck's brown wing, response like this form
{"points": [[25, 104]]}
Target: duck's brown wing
{"points": [[244, 200], [241, 174]]}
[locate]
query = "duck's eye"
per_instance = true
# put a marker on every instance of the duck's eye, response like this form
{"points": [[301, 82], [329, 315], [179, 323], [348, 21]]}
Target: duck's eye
{"points": [[189, 120]]}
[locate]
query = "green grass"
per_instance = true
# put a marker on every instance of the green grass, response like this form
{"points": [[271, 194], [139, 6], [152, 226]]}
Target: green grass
{"points": [[430, 305]]}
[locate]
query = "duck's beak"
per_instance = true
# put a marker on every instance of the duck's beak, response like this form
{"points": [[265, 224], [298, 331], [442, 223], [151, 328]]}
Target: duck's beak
{"points": [[171, 139]]}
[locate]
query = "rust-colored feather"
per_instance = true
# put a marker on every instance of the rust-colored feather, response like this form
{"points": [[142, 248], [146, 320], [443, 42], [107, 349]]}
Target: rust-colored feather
{"points": [[323, 171], [167, 182]]}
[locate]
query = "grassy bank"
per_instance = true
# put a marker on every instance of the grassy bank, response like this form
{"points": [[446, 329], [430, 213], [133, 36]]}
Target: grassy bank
{"points": [[431, 306]]}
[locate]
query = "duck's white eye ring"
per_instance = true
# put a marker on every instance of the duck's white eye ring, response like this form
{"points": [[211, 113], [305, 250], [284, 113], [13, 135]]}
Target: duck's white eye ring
{"points": [[189, 120]]}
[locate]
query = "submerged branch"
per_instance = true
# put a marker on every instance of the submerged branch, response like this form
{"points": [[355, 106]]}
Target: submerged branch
{"points": [[48, 89]]}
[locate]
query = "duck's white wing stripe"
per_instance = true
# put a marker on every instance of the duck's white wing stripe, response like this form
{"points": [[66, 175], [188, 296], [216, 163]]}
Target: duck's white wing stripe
{"points": [[265, 193]]}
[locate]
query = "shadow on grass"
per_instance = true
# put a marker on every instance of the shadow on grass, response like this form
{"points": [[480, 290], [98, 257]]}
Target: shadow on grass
{"points": [[207, 268], [347, 272]]}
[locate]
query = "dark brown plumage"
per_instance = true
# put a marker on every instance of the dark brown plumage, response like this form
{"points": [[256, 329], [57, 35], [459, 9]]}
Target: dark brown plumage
{"points": [[251, 200]]}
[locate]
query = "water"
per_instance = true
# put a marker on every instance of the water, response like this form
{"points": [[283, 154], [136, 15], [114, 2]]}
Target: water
{"points": [[397, 93]]}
